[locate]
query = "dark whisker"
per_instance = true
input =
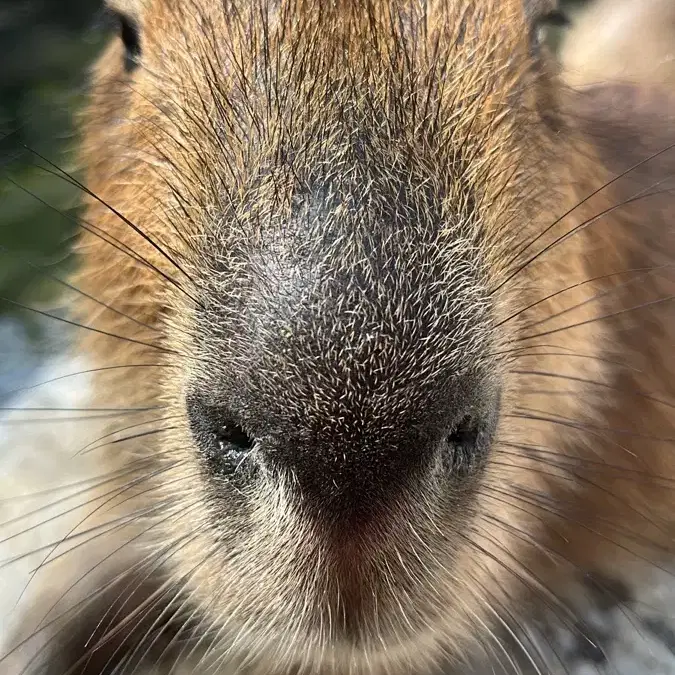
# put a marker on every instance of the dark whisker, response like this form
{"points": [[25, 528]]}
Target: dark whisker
{"points": [[91, 328], [579, 228], [88, 600], [644, 270], [129, 468], [13, 392], [155, 558], [79, 291], [574, 424], [124, 219], [598, 383], [48, 558], [56, 517], [539, 502], [568, 462], [79, 418], [97, 410], [527, 577], [133, 437], [576, 206], [525, 354], [90, 447], [162, 618], [611, 315], [576, 476], [102, 235]]}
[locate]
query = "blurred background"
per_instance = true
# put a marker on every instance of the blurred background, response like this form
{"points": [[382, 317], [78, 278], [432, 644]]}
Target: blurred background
{"points": [[46, 47]]}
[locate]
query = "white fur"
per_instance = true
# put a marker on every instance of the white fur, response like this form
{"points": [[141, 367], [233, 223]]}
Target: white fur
{"points": [[38, 452]]}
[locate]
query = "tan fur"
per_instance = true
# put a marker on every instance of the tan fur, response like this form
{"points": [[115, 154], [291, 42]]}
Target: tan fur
{"points": [[629, 40], [580, 475]]}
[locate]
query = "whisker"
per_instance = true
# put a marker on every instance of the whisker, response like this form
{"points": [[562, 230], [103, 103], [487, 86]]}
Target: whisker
{"points": [[100, 331], [539, 502], [578, 462], [79, 291], [69, 497], [574, 208], [79, 418], [576, 476], [157, 559], [112, 497], [138, 514], [13, 392], [97, 410], [101, 234], [128, 468], [587, 427], [134, 437], [525, 354], [90, 447], [184, 580], [123, 218], [554, 604], [598, 383], [611, 315], [544, 594], [579, 228], [90, 598], [644, 270], [97, 531]]}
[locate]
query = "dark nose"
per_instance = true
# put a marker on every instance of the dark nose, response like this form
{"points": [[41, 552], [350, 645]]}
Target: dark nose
{"points": [[348, 351], [351, 458]]}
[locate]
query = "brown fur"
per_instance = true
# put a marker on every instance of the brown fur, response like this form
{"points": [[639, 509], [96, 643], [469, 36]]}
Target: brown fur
{"points": [[580, 475]]}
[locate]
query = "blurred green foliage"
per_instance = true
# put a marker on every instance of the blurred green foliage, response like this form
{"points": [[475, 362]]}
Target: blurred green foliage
{"points": [[47, 46]]}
